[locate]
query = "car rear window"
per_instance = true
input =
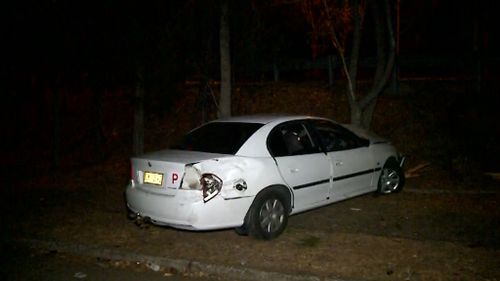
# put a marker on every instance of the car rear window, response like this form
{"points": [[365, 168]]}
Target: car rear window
{"points": [[218, 137]]}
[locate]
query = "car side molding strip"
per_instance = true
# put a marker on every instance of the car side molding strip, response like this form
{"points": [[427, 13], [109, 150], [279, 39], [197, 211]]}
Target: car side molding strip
{"points": [[357, 174], [311, 184]]}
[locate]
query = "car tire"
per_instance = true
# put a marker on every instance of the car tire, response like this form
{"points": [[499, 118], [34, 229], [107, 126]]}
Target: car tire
{"points": [[242, 230], [268, 216], [391, 178]]}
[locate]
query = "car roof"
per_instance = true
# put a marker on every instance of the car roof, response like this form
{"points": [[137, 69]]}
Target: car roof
{"points": [[256, 145], [265, 118]]}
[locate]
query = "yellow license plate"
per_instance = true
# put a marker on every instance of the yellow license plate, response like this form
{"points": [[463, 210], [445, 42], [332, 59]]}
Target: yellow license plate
{"points": [[153, 178]]}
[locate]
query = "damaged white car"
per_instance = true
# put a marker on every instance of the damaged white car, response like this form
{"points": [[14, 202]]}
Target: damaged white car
{"points": [[251, 173]]}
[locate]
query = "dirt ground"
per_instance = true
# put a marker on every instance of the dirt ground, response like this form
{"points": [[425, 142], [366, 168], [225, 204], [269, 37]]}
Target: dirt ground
{"points": [[445, 225], [408, 236]]}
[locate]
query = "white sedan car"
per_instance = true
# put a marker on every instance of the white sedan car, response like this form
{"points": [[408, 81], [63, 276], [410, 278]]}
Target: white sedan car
{"points": [[252, 172]]}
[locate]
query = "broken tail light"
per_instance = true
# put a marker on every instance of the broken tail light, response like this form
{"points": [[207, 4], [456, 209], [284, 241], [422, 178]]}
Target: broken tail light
{"points": [[211, 186]]}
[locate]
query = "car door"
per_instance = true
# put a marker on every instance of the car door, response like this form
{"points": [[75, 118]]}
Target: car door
{"points": [[302, 164], [352, 163]]}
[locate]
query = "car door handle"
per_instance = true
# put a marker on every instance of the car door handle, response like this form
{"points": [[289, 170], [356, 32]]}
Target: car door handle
{"points": [[339, 163], [294, 170]]}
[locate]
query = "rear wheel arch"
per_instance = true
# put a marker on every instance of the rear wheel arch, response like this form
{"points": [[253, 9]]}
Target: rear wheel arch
{"points": [[280, 191]]}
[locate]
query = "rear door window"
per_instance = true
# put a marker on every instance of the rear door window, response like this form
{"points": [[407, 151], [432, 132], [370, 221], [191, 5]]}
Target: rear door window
{"points": [[291, 139]]}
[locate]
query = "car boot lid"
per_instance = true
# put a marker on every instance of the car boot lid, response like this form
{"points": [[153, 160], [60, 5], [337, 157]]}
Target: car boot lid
{"points": [[164, 169]]}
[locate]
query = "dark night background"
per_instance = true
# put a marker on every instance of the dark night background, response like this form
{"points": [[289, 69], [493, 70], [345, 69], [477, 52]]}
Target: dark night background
{"points": [[76, 62], [71, 71]]}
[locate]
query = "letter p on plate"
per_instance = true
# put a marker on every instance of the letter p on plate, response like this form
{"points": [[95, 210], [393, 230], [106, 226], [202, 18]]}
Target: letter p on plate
{"points": [[175, 177]]}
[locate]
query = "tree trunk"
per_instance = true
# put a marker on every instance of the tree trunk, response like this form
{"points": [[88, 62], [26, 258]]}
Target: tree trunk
{"points": [[362, 108], [395, 75], [356, 114], [367, 116], [385, 62], [331, 69], [476, 67], [96, 115], [56, 130], [276, 72], [356, 45], [225, 63], [138, 138], [381, 50]]}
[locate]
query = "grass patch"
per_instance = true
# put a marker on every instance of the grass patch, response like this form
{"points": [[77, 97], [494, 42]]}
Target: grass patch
{"points": [[309, 241]]}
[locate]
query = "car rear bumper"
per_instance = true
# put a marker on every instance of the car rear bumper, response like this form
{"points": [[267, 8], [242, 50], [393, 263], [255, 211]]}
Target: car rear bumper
{"points": [[186, 209]]}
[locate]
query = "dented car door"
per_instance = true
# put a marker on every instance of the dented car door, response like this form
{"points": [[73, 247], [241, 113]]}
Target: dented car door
{"points": [[302, 164]]}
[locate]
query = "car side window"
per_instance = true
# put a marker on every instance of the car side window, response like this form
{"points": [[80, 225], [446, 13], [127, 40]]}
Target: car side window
{"points": [[335, 137], [291, 139]]}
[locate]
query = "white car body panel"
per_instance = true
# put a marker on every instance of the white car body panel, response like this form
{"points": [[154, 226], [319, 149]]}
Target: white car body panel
{"points": [[184, 208], [308, 176], [352, 172], [312, 180]]}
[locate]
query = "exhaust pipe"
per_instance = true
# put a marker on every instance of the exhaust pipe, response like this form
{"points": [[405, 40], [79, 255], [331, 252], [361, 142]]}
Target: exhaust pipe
{"points": [[140, 221], [133, 216]]}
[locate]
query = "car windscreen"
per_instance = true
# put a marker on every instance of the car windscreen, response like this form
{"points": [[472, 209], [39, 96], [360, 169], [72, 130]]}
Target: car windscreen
{"points": [[218, 137]]}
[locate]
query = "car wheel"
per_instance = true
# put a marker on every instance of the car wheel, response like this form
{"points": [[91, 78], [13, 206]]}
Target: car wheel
{"points": [[391, 178], [242, 230], [268, 216]]}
